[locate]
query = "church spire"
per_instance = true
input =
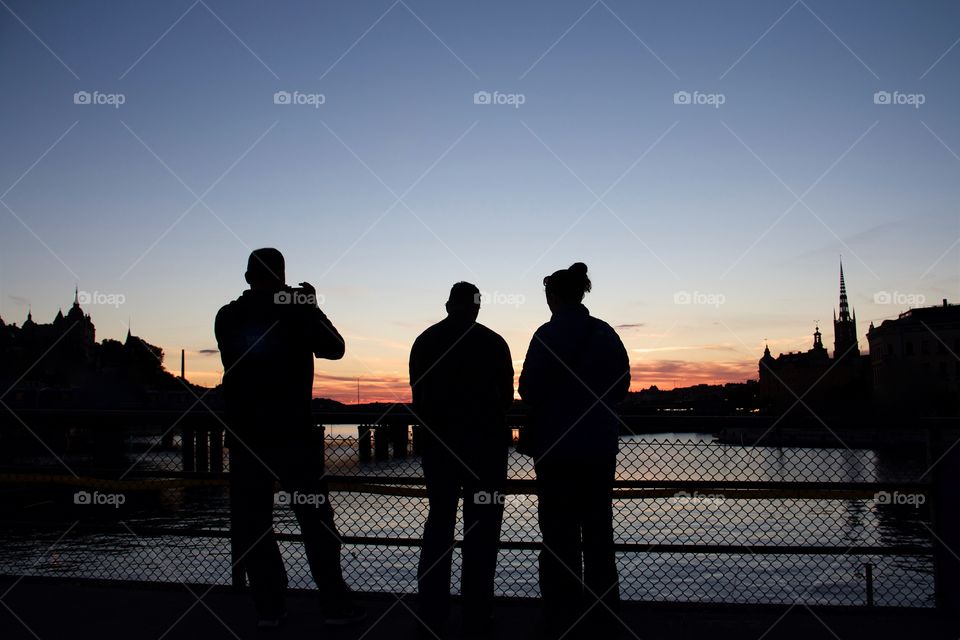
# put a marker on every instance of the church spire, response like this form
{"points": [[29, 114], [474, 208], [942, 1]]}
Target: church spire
{"points": [[844, 325], [844, 305], [76, 295]]}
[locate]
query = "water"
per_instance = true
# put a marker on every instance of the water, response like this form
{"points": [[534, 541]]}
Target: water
{"points": [[666, 519]]}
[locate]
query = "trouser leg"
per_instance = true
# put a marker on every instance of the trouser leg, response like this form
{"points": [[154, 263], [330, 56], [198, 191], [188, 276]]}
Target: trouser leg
{"points": [[436, 553], [560, 564], [251, 529], [482, 518], [599, 558], [311, 505]]}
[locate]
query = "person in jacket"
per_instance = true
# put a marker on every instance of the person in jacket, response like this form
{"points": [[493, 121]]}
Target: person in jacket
{"points": [[268, 338], [461, 376], [576, 370]]}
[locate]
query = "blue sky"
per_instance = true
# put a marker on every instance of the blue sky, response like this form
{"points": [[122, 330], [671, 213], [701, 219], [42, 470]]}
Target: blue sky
{"points": [[399, 184]]}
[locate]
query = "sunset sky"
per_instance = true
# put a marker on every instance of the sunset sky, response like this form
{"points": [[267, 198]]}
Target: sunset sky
{"points": [[709, 162]]}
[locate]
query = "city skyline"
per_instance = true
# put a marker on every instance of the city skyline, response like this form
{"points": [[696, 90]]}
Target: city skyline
{"points": [[391, 149]]}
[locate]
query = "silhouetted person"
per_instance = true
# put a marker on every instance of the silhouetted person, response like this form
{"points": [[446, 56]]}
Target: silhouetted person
{"points": [[575, 371], [268, 338], [462, 379]]}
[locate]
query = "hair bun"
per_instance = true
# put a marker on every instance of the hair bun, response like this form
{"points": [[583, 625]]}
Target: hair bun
{"points": [[578, 268]]}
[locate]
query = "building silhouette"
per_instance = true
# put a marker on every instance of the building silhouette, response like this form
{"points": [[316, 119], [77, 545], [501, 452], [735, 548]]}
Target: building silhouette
{"points": [[845, 342], [914, 361], [824, 384], [61, 365]]}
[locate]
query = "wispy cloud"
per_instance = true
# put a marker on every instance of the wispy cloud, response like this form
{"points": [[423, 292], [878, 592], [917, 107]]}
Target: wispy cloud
{"points": [[683, 373]]}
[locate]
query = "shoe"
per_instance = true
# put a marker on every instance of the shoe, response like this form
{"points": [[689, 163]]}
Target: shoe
{"points": [[343, 613], [272, 622]]}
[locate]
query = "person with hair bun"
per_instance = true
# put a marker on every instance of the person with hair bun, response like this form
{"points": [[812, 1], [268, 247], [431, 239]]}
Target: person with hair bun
{"points": [[575, 372]]}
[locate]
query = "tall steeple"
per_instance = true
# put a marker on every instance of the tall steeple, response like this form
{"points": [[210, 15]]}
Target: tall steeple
{"points": [[844, 326], [844, 305]]}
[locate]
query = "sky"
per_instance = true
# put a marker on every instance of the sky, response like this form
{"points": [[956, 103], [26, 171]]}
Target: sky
{"points": [[709, 161]]}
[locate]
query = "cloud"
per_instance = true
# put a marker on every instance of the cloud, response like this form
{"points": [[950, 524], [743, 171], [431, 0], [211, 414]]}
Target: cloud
{"points": [[630, 325], [208, 352], [20, 300], [684, 373], [691, 347], [373, 388]]}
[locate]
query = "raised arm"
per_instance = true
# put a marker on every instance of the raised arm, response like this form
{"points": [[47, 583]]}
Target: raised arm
{"points": [[325, 340]]}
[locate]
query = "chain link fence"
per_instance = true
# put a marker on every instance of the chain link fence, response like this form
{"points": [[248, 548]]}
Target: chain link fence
{"points": [[694, 521]]}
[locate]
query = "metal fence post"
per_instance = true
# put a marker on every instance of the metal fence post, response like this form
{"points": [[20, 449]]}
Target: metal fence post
{"points": [[946, 523]]}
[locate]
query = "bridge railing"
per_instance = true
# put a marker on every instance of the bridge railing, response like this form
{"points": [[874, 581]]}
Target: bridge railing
{"points": [[694, 520]]}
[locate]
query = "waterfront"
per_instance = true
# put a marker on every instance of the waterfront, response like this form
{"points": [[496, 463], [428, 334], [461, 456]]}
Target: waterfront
{"points": [[678, 518]]}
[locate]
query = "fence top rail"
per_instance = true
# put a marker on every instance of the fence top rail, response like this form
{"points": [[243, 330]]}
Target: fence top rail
{"points": [[402, 413]]}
